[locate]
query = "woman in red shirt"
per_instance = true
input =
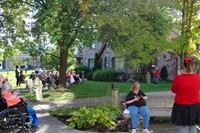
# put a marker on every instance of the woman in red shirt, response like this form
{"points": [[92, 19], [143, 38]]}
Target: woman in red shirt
{"points": [[156, 76], [186, 109]]}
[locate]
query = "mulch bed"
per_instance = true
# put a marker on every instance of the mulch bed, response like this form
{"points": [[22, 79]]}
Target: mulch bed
{"points": [[123, 125]]}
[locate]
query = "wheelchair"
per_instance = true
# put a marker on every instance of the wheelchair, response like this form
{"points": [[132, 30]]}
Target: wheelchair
{"points": [[14, 119]]}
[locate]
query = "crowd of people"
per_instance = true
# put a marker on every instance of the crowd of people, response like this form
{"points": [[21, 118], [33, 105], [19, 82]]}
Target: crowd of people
{"points": [[47, 78]]}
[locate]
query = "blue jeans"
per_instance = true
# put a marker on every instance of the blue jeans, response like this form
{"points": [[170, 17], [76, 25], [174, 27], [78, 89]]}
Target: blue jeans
{"points": [[135, 111], [156, 81]]}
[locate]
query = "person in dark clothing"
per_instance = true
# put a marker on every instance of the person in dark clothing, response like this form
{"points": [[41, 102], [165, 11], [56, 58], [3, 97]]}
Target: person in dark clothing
{"points": [[136, 104], [32, 76], [22, 77], [17, 75], [44, 80], [49, 80], [56, 77]]}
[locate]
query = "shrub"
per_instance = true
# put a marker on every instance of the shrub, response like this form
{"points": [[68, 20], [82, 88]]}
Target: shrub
{"points": [[89, 76], [72, 67], [108, 75], [79, 69], [88, 117], [164, 73]]}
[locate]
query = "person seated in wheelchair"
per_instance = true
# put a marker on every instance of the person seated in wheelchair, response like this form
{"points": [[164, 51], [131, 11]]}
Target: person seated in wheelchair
{"points": [[12, 98]]}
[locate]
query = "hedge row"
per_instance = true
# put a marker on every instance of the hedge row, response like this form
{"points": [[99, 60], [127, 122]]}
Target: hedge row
{"points": [[108, 75]]}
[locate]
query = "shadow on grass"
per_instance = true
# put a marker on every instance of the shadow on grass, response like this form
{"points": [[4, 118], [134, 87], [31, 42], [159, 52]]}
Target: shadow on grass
{"points": [[46, 95]]}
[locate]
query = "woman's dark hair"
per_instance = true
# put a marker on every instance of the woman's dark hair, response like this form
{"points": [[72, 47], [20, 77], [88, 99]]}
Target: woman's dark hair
{"points": [[189, 64], [17, 67]]}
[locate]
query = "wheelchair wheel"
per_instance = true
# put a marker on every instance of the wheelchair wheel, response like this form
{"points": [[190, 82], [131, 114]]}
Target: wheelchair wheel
{"points": [[11, 121]]}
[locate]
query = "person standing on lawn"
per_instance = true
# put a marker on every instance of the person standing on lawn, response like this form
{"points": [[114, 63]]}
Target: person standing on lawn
{"points": [[156, 76], [136, 105], [186, 108], [17, 75]]}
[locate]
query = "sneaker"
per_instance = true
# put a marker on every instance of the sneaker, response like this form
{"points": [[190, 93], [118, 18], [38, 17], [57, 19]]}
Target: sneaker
{"points": [[34, 128], [146, 131], [133, 130]]}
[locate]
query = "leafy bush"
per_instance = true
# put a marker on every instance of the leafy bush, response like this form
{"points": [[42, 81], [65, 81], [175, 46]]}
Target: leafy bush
{"points": [[72, 67], [89, 76], [79, 69], [108, 75], [87, 117], [164, 73]]}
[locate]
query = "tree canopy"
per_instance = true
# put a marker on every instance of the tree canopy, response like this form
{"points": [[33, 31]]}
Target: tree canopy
{"points": [[187, 26], [137, 30], [67, 22], [13, 29]]}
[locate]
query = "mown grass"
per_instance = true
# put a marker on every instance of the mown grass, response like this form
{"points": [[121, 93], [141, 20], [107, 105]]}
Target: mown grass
{"points": [[11, 78], [97, 89], [86, 89]]}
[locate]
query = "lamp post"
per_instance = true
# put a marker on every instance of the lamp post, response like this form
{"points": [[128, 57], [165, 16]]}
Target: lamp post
{"points": [[83, 75]]}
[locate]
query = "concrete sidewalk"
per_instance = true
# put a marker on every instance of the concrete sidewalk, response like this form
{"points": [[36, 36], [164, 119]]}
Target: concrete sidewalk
{"points": [[49, 123], [52, 125]]}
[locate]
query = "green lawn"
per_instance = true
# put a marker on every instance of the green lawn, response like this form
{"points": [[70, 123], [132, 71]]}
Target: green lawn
{"points": [[96, 89], [86, 89], [12, 79]]}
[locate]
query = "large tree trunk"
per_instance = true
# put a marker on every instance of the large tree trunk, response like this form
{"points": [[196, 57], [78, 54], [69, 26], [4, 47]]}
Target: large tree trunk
{"points": [[63, 63], [183, 33], [187, 13]]}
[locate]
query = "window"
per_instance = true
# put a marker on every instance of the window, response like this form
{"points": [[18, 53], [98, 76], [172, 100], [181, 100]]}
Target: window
{"points": [[113, 62], [105, 62], [91, 63], [119, 64]]}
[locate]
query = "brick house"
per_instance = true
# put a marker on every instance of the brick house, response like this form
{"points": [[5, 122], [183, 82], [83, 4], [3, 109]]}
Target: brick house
{"points": [[109, 60]]}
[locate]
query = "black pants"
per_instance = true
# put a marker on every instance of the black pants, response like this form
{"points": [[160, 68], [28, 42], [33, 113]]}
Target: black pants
{"points": [[18, 81]]}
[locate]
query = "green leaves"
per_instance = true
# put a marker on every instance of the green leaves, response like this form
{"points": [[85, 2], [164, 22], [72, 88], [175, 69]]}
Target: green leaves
{"points": [[135, 29], [13, 29], [87, 117]]}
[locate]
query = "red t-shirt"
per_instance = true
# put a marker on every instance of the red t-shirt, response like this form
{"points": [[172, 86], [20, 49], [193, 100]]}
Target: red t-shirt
{"points": [[157, 74], [187, 89]]}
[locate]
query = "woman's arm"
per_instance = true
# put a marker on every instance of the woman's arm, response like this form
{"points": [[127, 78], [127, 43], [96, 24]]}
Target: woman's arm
{"points": [[145, 97], [131, 101], [174, 88]]}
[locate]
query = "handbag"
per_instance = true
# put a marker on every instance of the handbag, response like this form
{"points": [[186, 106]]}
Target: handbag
{"points": [[126, 113]]}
